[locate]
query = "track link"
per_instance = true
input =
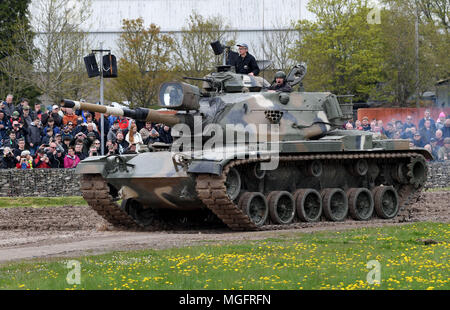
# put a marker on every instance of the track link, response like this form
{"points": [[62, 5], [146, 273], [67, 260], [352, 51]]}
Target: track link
{"points": [[212, 191], [95, 191]]}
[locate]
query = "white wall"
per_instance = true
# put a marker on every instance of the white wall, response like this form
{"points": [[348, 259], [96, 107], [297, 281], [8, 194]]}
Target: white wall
{"points": [[247, 17], [171, 15]]}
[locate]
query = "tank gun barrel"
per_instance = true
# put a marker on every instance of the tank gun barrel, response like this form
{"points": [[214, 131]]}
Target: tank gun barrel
{"points": [[140, 114]]}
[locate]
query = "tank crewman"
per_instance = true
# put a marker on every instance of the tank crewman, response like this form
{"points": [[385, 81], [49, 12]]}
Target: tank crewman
{"points": [[280, 84], [245, 63]]}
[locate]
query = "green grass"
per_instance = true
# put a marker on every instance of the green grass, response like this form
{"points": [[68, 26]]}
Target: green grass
{"points": [[9, 202], [323, 260], [438, 189]]}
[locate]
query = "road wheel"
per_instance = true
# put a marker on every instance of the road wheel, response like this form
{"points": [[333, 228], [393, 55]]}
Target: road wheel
{"points": [[399, 173], [386, 201], [281, 207], [359, 168], [335, 204], [360, 203], [233, 183], [309, 204], [254, 205], [314, 169]]}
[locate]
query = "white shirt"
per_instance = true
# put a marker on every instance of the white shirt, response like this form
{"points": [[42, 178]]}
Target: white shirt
{"points": [[137, 139]]}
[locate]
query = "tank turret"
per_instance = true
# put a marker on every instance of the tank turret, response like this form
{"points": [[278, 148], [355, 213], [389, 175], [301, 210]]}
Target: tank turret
{"points": [[229, 100], [294, 115]]}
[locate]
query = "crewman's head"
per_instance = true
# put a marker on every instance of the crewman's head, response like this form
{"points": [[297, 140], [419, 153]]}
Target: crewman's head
{"points": [[243, 49], [280, 77]]}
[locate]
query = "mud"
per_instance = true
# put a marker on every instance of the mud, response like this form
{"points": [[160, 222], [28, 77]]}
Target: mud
{"points": [[50, 219], [70, 231], [431, 206]]}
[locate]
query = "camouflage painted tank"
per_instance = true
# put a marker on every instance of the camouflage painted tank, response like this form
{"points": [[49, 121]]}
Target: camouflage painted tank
{"points": [[252, 158]]}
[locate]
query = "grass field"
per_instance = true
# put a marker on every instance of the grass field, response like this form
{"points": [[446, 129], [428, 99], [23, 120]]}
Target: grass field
{"points": [[438, 189], [321, 260], [9, 202]]}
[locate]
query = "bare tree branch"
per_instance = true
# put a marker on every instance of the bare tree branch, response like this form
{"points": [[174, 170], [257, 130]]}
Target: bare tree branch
{"points": [[57, 49]]}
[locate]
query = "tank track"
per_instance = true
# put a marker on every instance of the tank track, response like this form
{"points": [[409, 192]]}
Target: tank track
{"points": [[95, 191], [211, 189]]}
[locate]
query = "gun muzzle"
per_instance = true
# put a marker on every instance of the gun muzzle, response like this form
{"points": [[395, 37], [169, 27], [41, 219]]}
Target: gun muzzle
{"points": [[77, 105]]}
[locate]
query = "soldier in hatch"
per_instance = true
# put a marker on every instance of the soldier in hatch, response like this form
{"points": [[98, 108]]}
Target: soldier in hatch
{"points": [[280, 84], [245, 63]]}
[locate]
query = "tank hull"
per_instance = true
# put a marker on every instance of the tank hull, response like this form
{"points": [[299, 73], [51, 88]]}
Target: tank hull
{"points": [[157, 183]]}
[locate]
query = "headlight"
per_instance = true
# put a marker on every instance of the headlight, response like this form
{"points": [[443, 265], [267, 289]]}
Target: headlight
{"points": [[179, 96]]}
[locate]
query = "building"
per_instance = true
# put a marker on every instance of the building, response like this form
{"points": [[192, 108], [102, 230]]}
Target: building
{"points": [[250, 19]]}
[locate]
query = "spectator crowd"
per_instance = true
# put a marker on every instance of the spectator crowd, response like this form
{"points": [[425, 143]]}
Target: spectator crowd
{"points": [[61, 137], [433, 135]]}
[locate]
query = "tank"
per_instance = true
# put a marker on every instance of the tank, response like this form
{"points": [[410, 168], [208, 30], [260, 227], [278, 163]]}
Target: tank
{"points": [[251, 159]]}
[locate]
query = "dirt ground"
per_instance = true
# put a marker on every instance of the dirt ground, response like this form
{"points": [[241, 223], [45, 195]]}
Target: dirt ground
{"points": [[27, 233]]}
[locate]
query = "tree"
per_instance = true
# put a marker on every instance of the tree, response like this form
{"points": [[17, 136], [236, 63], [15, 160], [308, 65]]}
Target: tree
{"points": [[435, 10], [14, 15], [343, 51], [276, 46], [144, 66], [398, 35], [193, 54], [57, 49]]}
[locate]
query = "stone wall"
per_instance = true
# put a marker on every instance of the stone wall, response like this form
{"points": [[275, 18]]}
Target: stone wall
{"points": [[63, 182], [438, 174], [39, 182]]}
